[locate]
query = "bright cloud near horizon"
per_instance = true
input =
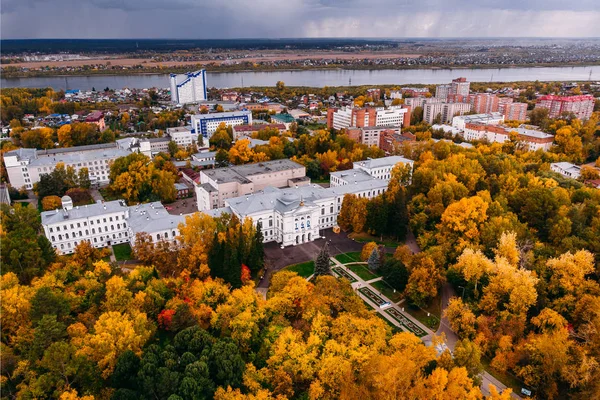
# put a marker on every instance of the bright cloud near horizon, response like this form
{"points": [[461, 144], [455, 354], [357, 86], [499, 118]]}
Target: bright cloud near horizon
{"points": [[201, 19]]}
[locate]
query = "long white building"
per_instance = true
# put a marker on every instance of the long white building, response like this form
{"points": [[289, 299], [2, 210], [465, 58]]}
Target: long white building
{"points": [[189, 87], [297, 215], [207, 124], [106, 223], [215, 186], [294, 216], [24, 166], [289, 216]]}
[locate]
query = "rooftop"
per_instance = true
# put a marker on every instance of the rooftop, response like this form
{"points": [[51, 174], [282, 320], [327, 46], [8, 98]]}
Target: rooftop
{"points": [[285, 118], [152, 217], [290, 199], [241, 172], [79, 156], [382, 162], [352, 175], [86, 211]]}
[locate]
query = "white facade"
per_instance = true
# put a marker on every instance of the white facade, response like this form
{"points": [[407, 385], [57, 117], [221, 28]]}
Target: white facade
{"points": [[342, 118], [106, 223], [393, 116], [189, 87], [381, 168], [215, 186], [460, 121], [24, 166], [207, 124], [566, 169], [102, 224], [297, 215], [181, 135]]}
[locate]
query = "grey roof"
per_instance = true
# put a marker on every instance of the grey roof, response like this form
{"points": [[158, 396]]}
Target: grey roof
{"points": [[77, 148], [289, 199], [352, 175], [22, 154], [480, 117], [241, 172], [217, 212], [77, 157], [206, 154], [159, 139], [152, 217], [208, 187], [181, 186], [257, 142], [527, 131], [383, 162], [87, 211]]}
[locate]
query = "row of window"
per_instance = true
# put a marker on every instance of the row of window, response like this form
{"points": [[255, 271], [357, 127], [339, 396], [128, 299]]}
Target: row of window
{"points": [[74, 234], [102, 238], [110, 219]]}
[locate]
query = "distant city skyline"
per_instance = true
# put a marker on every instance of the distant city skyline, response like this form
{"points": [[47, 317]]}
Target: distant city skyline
{"points": [[113, 19]]}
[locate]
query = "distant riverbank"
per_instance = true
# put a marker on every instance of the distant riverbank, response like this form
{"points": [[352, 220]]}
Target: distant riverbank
{"points": [[8, 72], [315, 77]]}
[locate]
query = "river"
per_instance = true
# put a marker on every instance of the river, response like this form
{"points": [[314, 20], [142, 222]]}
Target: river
{"points": [[314, 78]]}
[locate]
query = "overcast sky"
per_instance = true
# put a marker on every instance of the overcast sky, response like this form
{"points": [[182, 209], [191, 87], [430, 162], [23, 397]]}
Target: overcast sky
{"points": [[213, 19]]}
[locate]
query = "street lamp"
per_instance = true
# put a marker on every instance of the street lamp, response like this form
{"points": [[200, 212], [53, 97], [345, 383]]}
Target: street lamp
{"points": [[463, 292]]}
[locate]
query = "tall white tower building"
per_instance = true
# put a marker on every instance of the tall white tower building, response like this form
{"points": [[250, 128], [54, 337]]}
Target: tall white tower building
{"points": [[189, 87]]}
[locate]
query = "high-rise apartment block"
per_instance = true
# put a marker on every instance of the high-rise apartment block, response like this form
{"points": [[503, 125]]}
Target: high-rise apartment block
{"points": [[460, 86], [189, 87], [582, 106], [484, 103], [346, 117], [446, 111]]}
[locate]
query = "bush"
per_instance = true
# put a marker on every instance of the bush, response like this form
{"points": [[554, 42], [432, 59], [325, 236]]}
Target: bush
{"points": [[51, 203], [79, 196], [395, 274], [367, 250]]}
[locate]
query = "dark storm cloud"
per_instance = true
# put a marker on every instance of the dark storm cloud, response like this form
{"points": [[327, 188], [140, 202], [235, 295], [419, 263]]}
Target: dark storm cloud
{"points": [[297, 18]]}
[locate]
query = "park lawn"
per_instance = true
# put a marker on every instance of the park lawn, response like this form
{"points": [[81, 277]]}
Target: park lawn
{"points": [[304, 269], [362, 271], [387, 291], [346, 258], [122, 251], [434, 309], [364, 237]]}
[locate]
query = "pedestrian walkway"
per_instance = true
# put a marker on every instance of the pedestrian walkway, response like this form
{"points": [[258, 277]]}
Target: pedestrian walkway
{"points": [[383, 305], [375, 280]]}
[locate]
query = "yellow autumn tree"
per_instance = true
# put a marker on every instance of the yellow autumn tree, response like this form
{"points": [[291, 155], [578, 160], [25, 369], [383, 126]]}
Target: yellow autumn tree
{"points": [[195, 237], [113, 334], [461, 318], [461, 223], [240, 152], [367, 250], [472, 266]]}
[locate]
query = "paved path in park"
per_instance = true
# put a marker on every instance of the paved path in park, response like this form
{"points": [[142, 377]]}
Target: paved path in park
{"points": [[360, 283], [451, 338]]}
